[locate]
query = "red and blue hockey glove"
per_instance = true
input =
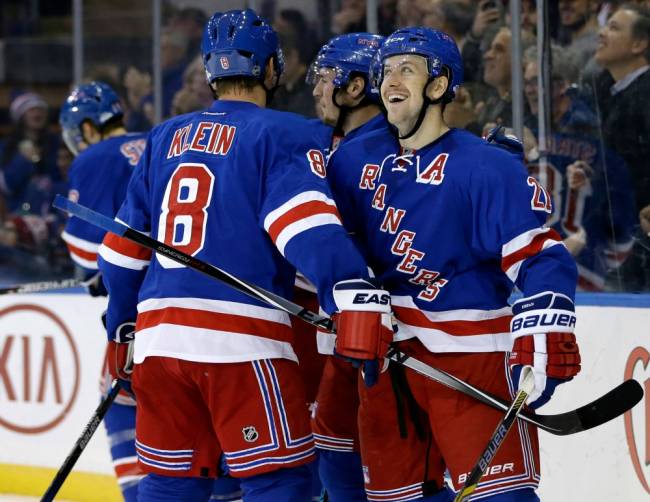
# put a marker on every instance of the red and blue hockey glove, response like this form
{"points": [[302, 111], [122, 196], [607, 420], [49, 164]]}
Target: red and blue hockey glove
{"points": [[120, 353], [543, 330], [363, 325], [95, 285]]}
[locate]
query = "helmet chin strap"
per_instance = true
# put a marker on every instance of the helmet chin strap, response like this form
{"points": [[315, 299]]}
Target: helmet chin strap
{"points": [[426, 102]]}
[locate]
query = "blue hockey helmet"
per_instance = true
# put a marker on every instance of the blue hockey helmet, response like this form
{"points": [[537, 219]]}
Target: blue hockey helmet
{"points": [[348, 54], [239, 43], [438, 48], [95, 102]]}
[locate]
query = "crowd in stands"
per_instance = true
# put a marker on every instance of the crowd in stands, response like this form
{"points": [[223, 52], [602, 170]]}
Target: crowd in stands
{"points": [[595, 164]]}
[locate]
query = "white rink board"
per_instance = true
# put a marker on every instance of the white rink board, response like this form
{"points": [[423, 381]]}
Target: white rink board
{"points": [[597, 465], [30, 333], [591, 466]]}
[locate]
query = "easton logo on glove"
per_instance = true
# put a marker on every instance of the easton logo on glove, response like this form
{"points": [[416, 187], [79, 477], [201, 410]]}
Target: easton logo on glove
{"points": [[364, 298]]}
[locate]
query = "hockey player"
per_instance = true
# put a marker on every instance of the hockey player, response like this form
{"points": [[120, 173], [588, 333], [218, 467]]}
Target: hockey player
{"points": [[92, 128], [242, 187], [349, 103], [344, 96], [450, 224]]}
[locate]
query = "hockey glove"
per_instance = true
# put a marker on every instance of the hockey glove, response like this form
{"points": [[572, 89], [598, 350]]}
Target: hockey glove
{"points": [[363, 326], [120, 353], [95, 285], [554, 354]]}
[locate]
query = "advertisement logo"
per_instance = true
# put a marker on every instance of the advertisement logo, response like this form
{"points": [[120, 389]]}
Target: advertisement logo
{"points": [[39, 369], [637, 420]]}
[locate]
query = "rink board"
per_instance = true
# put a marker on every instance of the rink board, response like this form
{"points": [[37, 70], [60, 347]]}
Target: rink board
{"points": [[51, 349]]}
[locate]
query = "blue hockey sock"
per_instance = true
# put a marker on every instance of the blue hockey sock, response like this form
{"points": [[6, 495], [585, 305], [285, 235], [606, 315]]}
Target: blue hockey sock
{"points": [[156, 488], [287, 485], [226, 489], [341, 475]]}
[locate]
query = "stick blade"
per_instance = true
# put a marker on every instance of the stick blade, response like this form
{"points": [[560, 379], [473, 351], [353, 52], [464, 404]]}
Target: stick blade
{"points": [[608, 407]]}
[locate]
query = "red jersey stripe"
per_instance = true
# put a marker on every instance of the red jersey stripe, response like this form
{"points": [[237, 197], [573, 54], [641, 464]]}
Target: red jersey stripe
{"points": [[126, 247], [300, 212], [86, 255], [415, 317], [215, 321], [534, 247]]}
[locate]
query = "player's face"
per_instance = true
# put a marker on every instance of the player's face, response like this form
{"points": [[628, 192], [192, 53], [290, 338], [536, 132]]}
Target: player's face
{"points": [[323, 91], [405, 77]]}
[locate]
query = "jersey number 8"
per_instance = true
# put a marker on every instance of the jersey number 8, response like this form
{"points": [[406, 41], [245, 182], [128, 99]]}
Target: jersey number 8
{"points": [[184, 217]]}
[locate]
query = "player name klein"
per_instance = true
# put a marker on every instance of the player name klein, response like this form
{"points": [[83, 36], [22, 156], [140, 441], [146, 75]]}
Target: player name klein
{"points": [[204, 137]]}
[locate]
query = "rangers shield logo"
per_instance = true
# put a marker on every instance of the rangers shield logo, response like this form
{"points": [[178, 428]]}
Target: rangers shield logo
{"points": [[250, 434], [225, 64]]}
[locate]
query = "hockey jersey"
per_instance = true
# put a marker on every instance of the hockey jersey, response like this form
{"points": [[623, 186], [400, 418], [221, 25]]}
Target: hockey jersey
{"points": [[601, 205], [244, 189], [98, 179], [450, 229]]}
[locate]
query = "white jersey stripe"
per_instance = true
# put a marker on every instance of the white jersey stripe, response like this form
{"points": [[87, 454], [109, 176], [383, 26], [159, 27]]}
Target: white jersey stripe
{"points": [[91, 247], [122, 260]]}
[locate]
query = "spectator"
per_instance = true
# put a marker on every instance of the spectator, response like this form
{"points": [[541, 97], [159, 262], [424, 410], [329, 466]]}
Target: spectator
{"points": [[624, 51], [173, 60], [195, 94], [579, 29], [589, 187], [454, 17], [189, 22], [28, 165], [294, 94], [489, 13], [139, 100], [350, 18], [292, 22], [497, 74], [636, 270]]}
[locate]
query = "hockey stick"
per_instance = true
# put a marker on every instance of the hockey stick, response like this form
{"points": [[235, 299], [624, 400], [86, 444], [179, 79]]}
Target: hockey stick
{"points": [[616, 402], [499, 435], [36, 287], [81, 443]]}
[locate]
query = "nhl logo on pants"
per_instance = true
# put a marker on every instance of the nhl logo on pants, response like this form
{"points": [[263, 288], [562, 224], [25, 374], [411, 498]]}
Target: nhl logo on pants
{"points": [[250, 434]]}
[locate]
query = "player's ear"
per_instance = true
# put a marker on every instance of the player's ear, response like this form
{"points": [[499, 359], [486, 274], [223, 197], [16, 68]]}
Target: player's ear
{"points": [[437, 87], [355, 87], [269, 74], [89, 133]]}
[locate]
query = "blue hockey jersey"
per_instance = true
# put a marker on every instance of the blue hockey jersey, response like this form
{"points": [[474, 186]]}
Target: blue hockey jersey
{"points": [[240, 187], [450, 229], [98, 179]]}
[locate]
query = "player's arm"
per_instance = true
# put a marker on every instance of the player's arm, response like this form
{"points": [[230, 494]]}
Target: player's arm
{"points": [[83, 239], [300, 216], [510, 209], [123, 263]]}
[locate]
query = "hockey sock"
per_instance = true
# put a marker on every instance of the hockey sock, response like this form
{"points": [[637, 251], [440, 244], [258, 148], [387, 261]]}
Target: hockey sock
{"points": [[287, 485], [341, 475], [120, 429], [156, 488], [226, 489]]}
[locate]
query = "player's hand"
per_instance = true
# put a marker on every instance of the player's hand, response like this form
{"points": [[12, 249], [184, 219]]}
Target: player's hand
{"points": [[95, 285], [120, 354], [553, 356], [363, 325]]}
